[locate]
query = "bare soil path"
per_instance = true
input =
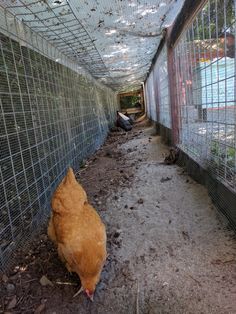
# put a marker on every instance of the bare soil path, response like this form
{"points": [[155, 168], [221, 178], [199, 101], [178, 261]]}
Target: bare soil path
{"points": [[170, 250]]}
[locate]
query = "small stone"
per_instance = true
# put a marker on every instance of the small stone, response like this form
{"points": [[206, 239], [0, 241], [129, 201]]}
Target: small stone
{"points": [[165, 179], [140, 201], [44, 281], [12, 303], [10, 288], [117, 234], [126, 177]]}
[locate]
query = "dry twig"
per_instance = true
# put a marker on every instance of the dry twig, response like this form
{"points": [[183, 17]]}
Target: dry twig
{"points": [[137, 299]]}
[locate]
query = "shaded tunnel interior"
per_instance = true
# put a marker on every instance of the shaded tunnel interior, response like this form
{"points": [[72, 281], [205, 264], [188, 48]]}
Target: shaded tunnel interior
{"points": [[67, 67]]}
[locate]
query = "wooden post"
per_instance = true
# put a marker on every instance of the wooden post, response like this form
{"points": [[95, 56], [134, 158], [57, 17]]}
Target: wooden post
{"points": [[174, 106]]}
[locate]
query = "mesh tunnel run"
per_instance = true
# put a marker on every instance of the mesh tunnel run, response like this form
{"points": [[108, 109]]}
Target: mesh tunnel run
{"points": [[63, 65]]}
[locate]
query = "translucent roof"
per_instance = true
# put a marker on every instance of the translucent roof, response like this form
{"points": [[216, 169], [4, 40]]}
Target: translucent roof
{"points": [[114, 40]]}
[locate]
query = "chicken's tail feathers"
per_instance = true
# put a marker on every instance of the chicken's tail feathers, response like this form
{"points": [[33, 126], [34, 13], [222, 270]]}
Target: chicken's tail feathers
{"points": [[70, 177]]}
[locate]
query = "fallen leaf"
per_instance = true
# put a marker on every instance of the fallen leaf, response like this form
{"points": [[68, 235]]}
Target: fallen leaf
{"points": [[4, 278], [40, 308], [165, 179], [44, 281], [218, 261], [185, 235], [140, 201], [12, 303]]}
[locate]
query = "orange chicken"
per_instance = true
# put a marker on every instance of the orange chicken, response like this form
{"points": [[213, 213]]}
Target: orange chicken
{"points": [[78, 232]]}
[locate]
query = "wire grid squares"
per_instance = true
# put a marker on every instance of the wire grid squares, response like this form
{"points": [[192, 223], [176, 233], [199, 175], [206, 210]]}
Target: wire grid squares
{"points": [[51, 117], [58, 23], [162, 85], [150, 97], [114, 40], [205, 84]]}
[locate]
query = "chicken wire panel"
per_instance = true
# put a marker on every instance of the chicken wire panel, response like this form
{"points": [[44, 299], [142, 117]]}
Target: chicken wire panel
{"points": [[151, 104], [148, 100], [50, 117], [114, 40], [161, 80], [205, 85]]}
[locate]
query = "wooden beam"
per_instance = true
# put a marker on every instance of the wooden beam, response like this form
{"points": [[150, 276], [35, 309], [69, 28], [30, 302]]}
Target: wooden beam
{"points": [[187, 13], [159, 49]]}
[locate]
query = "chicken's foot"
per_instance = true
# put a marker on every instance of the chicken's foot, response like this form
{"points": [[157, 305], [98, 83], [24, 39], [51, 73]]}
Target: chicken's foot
{"points": [[78, 292]]}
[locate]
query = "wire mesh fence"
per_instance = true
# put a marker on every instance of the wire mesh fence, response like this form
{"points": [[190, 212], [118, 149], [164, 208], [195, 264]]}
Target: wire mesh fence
{"points": [[150, 98], [205, 67], [157, 91], [51, 116], [200, 82], [57, 22], [162, 85]]}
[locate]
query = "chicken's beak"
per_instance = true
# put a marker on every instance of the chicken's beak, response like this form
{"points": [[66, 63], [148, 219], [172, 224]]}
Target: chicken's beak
{"points": [[90, 295]]}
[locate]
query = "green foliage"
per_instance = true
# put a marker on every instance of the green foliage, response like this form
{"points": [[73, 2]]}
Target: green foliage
{"points": [[211, 22], [82, 164], [215, 148], [222, 156], [231, 157], [129, 101]]}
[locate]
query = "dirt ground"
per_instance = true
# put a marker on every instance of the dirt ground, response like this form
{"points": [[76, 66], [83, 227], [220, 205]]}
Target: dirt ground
{"points": [[170, 251]]}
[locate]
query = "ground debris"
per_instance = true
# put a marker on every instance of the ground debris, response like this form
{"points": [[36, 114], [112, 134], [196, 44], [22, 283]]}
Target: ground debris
{"points": [[172, 157], [4, 278], [147, 245], [197, 281], [165, 179], [185, 235], [40, 308], [137, 298], [219, 262], [12, 303], [44, 281], [140, 201], [10, 288]]}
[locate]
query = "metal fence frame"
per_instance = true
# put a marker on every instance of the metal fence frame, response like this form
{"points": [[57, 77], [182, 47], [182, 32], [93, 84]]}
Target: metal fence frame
{"points": [[53, 115], [189, 98]]}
